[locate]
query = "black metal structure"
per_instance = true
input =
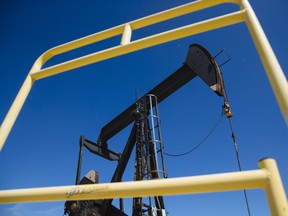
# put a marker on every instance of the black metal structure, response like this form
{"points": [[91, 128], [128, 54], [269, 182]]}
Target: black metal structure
{"points": [[146, 136]]}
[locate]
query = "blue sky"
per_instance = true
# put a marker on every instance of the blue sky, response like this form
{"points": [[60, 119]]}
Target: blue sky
{"points": [[42, 148]]}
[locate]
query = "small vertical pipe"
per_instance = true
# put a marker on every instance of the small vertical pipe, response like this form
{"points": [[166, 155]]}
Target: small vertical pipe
{"points": [[82, 138], [121, 203], [274, 188], [126, 37]]}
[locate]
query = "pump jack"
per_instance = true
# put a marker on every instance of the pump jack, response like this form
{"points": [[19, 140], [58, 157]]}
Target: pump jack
{"points": [[145, 135]]}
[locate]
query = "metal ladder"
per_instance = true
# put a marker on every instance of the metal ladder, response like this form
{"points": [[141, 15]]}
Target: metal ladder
{"points": [[149, 147]]}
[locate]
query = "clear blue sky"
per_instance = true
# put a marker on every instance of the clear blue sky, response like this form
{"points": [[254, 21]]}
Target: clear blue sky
{"points": [[42, 148]]}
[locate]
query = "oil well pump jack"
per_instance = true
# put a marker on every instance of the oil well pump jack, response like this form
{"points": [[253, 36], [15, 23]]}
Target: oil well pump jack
{"points": [[145, 137]]}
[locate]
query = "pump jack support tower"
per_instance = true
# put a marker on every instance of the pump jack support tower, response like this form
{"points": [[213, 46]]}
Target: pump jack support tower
{"points": [[199, 62]]}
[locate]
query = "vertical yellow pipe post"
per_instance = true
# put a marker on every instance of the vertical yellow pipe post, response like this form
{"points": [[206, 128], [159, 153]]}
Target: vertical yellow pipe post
{"points": [[15, 109], [273, 69], [274, 188]]}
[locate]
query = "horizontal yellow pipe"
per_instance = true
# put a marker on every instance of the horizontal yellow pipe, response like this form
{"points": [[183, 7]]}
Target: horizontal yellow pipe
{"points": [[173, 186], [136, 24], [178, 33], [178, 11]]}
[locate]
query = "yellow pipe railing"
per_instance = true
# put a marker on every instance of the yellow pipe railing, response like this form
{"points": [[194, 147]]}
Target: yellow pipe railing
{"points": [[141, 44], [267, 178], [274, 72]]}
